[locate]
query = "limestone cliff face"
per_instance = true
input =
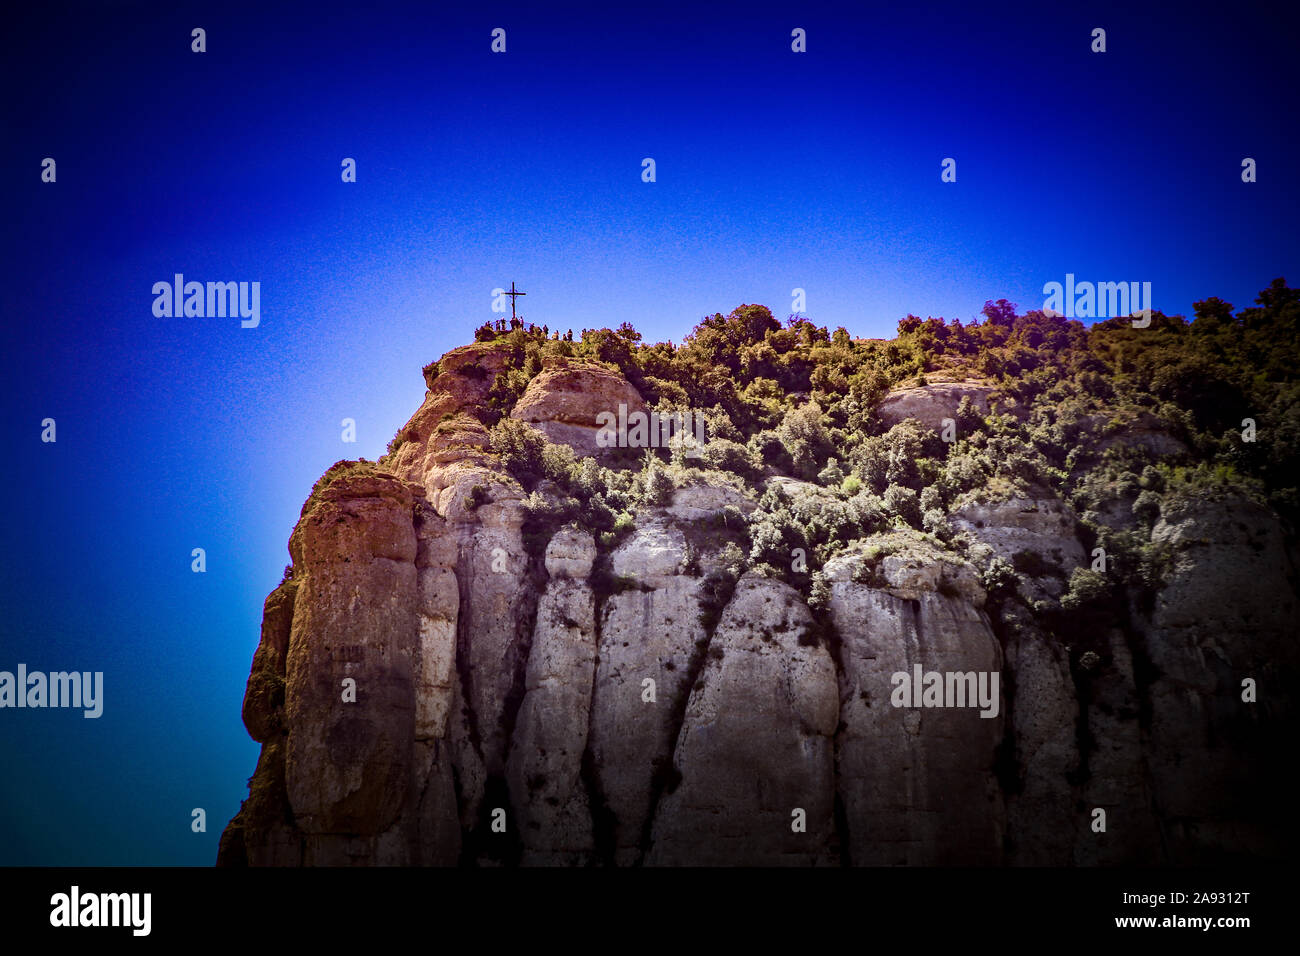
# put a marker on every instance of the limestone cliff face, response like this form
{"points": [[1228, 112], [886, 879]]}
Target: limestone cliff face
{"points": [[918, 785], [434, 685], [755, 750], [650, 632]]}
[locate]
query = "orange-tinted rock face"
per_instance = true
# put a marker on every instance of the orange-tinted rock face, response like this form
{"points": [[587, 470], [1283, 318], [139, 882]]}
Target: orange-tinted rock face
{"points": [[566, 402], [465, 378], [350, 701], [264, 697]]}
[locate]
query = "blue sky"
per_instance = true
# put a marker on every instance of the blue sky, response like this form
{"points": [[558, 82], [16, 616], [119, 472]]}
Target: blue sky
{"points": [[775, 170]]}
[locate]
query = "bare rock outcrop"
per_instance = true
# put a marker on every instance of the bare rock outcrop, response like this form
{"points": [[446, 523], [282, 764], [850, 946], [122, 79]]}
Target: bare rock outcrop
{"points": [[918, 784], [1231, 577], [1037, 534], [264, 697], [755, 755], [649, 632], [564, 401], [931, 404], [550, 736], [353, 636]]}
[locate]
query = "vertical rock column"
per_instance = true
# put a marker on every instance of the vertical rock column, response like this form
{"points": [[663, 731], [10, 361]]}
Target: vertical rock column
{"points": [[647, 632], [435, 831], [917, 784], [755, 756], [1044, 820], [263, 832], [544, 770], [496, 601], [1226, 613], [356, 619]]}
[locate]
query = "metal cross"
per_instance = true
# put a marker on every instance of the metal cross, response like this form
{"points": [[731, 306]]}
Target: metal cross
{"points": [[512, 293]]}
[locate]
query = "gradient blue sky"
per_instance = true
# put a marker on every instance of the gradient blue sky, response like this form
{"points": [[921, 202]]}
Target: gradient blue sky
{"points": [[775, 171]]}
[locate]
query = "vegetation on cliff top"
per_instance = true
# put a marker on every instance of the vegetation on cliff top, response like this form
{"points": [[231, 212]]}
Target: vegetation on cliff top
{"points": [[1120, 421]]}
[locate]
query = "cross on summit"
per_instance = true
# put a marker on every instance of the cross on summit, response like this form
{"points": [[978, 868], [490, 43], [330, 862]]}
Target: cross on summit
{"points": [[512, 293]]}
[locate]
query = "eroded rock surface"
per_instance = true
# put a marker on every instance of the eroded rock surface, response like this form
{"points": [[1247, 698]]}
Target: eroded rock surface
{"points": [[918, 785], [755, 754], [931, 404], [438, 682], [564, 403]]}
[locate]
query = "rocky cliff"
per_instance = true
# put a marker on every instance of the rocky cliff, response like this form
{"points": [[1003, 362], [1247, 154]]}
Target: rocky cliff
{"points": [[457, 670]]}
